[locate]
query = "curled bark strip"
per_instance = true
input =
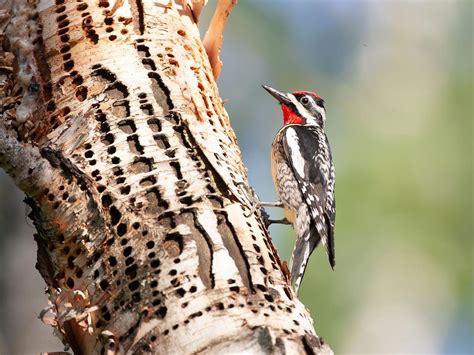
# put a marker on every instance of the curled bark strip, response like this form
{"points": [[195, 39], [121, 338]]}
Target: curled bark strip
{"points": [[197, 7], [213, 39]]}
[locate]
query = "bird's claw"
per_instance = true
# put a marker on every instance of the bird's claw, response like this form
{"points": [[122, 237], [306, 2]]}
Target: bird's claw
{"points": [[279, 221]]}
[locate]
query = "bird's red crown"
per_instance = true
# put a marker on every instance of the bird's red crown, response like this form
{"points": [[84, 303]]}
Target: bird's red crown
{"points": [[316, 96]]}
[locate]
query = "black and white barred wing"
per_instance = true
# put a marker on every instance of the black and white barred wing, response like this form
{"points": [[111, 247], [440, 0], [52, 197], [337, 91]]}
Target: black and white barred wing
{"points": [[331, 206], [308, 152]]}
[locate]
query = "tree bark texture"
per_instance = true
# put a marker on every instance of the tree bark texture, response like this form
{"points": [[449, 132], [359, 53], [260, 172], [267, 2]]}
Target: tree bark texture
{"points": [[113, 127]]}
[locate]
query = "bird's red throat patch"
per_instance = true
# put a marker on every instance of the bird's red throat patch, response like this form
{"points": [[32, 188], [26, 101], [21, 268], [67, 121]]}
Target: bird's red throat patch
{"points": [[289, 117]]}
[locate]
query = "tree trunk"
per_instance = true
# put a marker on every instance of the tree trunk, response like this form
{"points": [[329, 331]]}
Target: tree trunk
{"points": [[113, 127]]}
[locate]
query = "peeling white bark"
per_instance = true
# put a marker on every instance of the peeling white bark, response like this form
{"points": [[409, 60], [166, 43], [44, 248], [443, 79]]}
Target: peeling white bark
{"points": [[111, 123]]}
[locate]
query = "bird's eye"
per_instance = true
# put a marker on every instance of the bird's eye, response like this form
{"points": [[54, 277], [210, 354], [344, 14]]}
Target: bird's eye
{"points": [[304, 100]]}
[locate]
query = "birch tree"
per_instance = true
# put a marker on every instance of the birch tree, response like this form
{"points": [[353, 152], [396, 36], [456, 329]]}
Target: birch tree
{"points": [[112, 125]]}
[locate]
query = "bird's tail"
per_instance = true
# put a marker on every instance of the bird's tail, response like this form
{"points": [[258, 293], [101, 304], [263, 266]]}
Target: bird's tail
{"points": [[330, 248], [299, 259], [328, 243]]}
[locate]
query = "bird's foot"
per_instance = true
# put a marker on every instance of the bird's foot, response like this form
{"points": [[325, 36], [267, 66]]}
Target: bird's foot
{"points": [[277, 204], [266, 219], [279, 221], [260, 206]]}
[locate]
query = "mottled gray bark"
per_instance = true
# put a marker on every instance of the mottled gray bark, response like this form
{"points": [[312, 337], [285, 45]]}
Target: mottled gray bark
{"points": [[112, 125]]}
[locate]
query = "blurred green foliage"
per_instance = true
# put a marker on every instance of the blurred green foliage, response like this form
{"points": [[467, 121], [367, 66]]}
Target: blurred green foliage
{"points": [[398, 81]]}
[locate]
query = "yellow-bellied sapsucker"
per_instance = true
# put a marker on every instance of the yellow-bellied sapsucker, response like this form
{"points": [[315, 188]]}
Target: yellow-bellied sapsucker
{"points": [[303, 173]]}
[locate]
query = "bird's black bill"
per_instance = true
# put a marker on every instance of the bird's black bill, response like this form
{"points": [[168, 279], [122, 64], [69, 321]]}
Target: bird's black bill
{"points": [[280, 96]]}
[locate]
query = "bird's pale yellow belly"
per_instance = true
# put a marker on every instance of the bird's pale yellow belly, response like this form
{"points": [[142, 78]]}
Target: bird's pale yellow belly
{"points": [[285, 184]]}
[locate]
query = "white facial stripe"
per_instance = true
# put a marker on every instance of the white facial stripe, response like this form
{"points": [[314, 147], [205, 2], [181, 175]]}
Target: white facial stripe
{"points": [[320, 109], [301, 109], [296, 157], [304, 112]]}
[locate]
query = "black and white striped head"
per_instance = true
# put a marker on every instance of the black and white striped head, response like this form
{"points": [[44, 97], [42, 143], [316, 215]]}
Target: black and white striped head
{"points": [[300, 107]]}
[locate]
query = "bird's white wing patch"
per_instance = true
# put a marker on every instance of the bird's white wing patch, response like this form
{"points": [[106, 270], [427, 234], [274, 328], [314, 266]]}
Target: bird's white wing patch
{"points": [[296, 157]]}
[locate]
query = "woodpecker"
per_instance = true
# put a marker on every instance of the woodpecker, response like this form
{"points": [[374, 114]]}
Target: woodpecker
{"points": [[304, 177]]}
